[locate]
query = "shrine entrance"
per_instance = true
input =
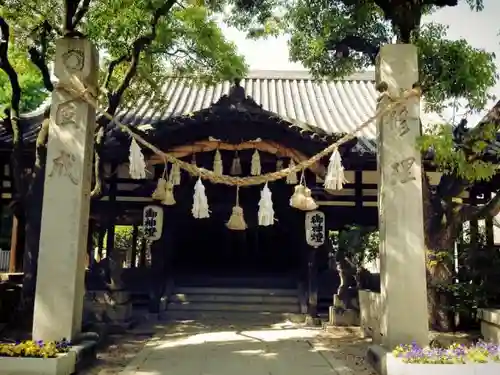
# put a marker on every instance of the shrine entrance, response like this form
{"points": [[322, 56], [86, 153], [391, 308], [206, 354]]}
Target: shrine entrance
{"points": [[209, 247]]}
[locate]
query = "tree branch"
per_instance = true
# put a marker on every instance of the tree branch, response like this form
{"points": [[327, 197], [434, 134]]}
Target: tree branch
{"points": [[114, 98], [139, 45], [38, 57], [111, 69], [80, 13], [7, 67], [13, 111], [70, 9], [354, 43]]}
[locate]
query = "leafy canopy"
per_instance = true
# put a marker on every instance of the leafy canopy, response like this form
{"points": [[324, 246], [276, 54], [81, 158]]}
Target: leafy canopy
{"points": [[335, 38], [188, 41], [321, 38], [33, 92]]}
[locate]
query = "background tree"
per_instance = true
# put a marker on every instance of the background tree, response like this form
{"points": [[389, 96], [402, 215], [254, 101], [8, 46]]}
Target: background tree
{"points": [[141, 43], [334, 38]]}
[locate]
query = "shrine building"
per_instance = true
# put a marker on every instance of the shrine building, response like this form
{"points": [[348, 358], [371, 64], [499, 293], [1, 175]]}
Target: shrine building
{"points": [[285, 115]]}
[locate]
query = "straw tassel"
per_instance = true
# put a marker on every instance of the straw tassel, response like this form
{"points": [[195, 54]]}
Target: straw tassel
{"points": [[237, 219], [218, 166], [159, 193], [302, 197], [279, 165], [169, 199], [256, 168], [335, 178], [137, 165], [236, 165], [310, 203], [291, 179], [200, 208], [266, 211], [297, 200], [175, 175]]}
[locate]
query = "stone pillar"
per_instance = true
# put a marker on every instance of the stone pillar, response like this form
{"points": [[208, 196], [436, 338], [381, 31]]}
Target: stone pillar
{"points": [[66, 200], [404, 316]]}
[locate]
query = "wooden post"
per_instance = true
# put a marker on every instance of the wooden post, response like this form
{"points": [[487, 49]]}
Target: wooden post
{"points": [[135, 235], [142, 258], [14, 244], [111, 219], [312, 268]]}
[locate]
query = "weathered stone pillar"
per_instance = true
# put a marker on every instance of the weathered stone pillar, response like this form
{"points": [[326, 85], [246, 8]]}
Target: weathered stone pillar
{"points": [[66, 200], [402, 250]]}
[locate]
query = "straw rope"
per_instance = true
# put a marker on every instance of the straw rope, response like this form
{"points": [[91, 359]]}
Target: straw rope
{"points": [[84, 94]]}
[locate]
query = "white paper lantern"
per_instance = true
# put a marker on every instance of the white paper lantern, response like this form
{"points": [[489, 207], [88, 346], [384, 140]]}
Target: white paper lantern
{"points": [[315, 228], [152, 220]]}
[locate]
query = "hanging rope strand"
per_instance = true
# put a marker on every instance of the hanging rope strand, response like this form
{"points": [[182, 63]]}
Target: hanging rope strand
{"points": [[85, 95]]}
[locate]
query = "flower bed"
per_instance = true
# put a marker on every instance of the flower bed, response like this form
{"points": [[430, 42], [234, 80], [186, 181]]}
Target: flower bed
{"points": [[480, 359], [50, 358], [34, 349]]}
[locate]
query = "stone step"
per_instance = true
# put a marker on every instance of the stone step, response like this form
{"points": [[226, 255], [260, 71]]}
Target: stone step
{"points": [[224, 306], [245, 282], [233, 317], [235, 291], [234, 298]]}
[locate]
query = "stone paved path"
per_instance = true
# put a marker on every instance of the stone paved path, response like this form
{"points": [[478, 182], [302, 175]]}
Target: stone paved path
{"points": [[254, 348]]}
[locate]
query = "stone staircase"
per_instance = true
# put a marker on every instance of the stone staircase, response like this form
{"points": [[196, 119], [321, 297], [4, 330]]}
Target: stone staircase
{"points": [[222, 297]]}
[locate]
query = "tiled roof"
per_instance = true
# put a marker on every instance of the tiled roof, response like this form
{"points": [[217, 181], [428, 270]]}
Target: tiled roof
{"points": [[337, 106], [332, 106]]}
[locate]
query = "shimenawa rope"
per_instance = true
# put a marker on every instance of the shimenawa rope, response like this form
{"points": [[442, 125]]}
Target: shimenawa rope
{"points": [[84, 94]]}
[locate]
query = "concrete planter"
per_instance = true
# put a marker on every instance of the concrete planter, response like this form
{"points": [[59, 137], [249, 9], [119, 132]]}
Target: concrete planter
{"points": [[63, 364], [490, 324], [396, 366]]}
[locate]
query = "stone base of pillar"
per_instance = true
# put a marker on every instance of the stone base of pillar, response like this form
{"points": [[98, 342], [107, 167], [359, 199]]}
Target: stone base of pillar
{"points": [[343, 317], [376, 356], [312, 321], [113, 307]]}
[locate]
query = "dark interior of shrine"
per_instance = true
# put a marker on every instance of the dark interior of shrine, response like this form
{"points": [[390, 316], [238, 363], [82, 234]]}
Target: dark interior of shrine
{"points": [[207, 246]]}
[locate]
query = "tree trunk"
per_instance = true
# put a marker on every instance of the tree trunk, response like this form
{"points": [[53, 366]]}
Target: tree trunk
{"points": [[439, 279], [33, 219], [440, 227]]}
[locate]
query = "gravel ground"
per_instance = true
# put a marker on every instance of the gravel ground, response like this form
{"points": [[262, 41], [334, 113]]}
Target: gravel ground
{"points": [[347, 345], [119, 349]]}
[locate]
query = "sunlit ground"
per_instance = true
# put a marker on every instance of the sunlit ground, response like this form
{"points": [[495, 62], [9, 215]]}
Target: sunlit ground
{"points": [[220, 348]]}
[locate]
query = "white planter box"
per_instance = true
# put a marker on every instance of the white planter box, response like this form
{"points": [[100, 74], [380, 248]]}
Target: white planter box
{"points": [[396, 366], [63, 364], [490, 324]]}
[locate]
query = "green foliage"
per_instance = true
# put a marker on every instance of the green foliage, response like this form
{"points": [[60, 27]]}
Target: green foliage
{"points": [[449, 70], [478, 276], [124, 235], [33, 92], [453, 69], [188, 41], [358, 244], [316, 26], [460, 162]]}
